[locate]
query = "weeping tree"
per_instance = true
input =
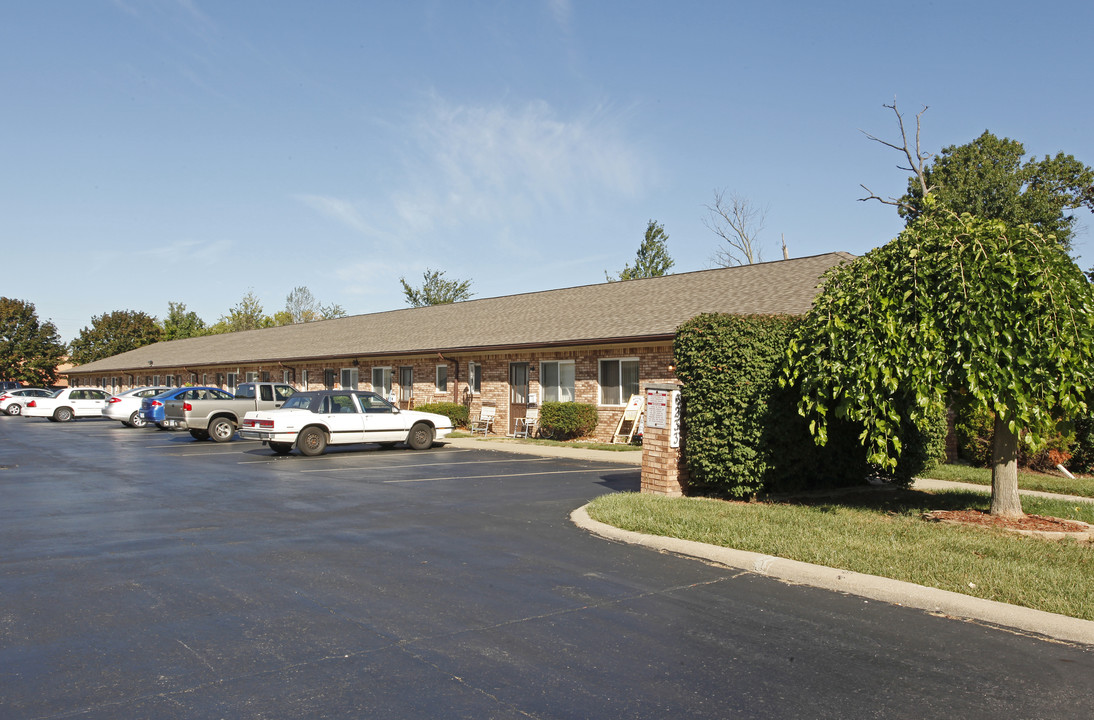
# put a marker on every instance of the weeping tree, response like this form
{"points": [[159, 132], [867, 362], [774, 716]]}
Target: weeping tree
{"points": [[956, 304]]}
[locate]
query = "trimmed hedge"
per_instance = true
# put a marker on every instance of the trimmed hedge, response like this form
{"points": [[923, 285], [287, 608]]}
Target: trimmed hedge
{"points": [[567, 420], [457, 413], [744, 433]]}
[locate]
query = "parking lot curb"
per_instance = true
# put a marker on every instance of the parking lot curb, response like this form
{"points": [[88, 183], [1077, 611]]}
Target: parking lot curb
{"points": [[872, 587]]}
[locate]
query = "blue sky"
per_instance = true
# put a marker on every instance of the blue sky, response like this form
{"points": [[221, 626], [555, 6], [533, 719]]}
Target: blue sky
{"points": [[192, 151]]}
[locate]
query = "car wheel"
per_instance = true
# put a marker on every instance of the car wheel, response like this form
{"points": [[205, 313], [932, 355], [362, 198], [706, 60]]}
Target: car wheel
{"points": [[135, 420], [222, 430], [14, 409], [199, 434], [420, 437], [63, 414], [281, 448], [312, 441]]}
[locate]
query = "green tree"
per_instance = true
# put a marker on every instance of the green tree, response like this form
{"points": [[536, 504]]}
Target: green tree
{"points": [[991, 178], [436, 290], [181, 323], [30, 350], [301, 306], [955, 305], [653, 256], [114, 333], [247, 314]]}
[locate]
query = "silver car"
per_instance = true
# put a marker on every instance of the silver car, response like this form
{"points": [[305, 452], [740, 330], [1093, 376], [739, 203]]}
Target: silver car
{"points": [[126, 407], [12, 401]]}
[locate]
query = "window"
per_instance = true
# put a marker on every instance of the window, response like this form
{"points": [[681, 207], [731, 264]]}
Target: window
{"points": [[381, 381], [618, 381], [251, 377], [155, 379], [169, 381], [265, 376], [349, 378], [474, 377], [194, 379], [406, 384], [328, 379], [442, 378], [556, 381], [220, 379], [233, 380], [205, 379], [288, 376], [304, 379]]}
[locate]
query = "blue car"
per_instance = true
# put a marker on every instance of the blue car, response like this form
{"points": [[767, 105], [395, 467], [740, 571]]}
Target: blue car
{"points": [[152, 407]]}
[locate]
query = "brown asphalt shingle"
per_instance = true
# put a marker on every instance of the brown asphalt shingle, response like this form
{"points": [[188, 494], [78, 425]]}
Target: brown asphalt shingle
{"points": [[634, 309]]}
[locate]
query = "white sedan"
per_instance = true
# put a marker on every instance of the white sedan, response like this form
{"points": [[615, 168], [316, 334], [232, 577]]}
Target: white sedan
{"points": [[68, 404], [12, 401], [313, 420], [125, 407]]}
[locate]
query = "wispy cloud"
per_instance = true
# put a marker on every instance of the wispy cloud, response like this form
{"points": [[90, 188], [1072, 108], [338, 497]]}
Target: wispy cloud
{"points": [[342, 211]]}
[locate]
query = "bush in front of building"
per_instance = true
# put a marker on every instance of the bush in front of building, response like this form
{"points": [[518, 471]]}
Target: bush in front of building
{"points": [[745, 435], [567, 420], [459, 414]]}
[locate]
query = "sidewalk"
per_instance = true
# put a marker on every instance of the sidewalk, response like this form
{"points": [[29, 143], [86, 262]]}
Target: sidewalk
{"points": [[896, 592]]}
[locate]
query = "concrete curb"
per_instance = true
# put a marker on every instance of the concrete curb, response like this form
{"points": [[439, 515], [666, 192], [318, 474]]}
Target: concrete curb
{"points": [[896, 592]]}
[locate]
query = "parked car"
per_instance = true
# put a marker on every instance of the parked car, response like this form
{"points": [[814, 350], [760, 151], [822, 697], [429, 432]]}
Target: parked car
{"points": [[217, 418], [312, 420], [68, 404], [12, 401], [126, 407], [152, 408]]}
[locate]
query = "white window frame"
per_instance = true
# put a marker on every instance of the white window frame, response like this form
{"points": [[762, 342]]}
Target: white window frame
{"points": [[622, 391], [231, 380], [572, 388], [250, 377], [304, 379], [474, 377], [442, 379], [382, 388], [354, 378]]}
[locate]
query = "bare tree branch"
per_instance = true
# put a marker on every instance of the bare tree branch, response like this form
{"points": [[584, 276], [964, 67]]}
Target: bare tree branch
{"points": [[738, 222], [915, 161]]}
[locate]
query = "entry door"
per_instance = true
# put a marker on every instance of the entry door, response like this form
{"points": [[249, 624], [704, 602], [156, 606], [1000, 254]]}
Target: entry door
{"points": [[518, 393]]}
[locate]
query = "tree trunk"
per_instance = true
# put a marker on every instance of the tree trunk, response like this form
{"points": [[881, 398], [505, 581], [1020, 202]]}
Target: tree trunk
{"points": [[1005, 500]]}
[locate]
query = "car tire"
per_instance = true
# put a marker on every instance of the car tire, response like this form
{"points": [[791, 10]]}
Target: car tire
{"points": [[135, 420], [420, 437], [281, 448], [63, 414], [312, 442], [14, 409], [222, 429], [199, 434]]}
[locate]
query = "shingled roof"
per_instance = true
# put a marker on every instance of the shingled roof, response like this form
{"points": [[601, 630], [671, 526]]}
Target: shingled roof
{"points": [[631, 310]]}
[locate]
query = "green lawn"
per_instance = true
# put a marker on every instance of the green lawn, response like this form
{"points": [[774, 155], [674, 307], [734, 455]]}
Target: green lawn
{"points": [[883, 533], [1082, 486]]}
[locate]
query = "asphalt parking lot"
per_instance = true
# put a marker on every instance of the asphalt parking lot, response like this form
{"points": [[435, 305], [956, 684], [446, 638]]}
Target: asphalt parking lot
{"points": [[146, 575]]}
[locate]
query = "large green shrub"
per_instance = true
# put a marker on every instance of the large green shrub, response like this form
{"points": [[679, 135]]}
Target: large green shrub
{"points": [[567, 420], [456, 412], [744, 433], [975, 428]]}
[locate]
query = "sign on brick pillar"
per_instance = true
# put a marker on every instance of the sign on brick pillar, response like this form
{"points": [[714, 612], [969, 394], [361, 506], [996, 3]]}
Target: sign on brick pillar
{"points": [[663, 468]]}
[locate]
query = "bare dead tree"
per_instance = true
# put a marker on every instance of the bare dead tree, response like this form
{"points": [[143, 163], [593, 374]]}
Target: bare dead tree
{"points": [[915, 160], [738, 222]]}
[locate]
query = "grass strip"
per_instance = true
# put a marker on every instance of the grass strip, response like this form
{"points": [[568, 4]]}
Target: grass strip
{"points": [[1082, 486], [883, 533]]}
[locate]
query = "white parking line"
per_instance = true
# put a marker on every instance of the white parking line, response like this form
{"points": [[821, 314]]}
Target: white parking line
{"points": [[502, 475]]}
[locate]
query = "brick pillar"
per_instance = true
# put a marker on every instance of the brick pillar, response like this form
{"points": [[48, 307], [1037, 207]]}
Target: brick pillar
{"points": [[663, 468]]}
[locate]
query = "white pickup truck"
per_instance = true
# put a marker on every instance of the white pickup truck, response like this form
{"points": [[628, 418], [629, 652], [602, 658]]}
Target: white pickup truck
{"points": [[218, 418], [313, 420]]}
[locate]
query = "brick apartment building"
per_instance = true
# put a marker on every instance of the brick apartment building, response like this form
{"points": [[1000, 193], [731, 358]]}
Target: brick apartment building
{"points": [[594, 344]]}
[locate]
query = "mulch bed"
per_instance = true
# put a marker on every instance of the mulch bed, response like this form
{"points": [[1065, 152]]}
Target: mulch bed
{"points": [[1033, 523]]}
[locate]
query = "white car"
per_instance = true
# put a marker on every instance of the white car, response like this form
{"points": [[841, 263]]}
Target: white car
{"points": [[68, 404], [313, 420], [12, 401], [126, 407]]}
